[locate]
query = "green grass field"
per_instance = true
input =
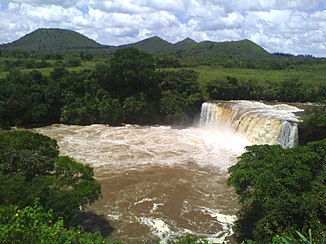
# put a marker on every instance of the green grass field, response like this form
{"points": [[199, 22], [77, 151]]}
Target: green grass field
{"points": [[308, 75], [47, 71]]}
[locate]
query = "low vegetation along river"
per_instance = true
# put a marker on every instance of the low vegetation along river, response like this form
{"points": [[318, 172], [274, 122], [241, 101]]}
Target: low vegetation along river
{"points": [[159, 182]]}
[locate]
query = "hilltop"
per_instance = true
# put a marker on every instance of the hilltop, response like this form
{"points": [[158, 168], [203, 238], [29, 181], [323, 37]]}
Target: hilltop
{"points": [[53, 40], [244, 48], [185, 44], [153, 44]]}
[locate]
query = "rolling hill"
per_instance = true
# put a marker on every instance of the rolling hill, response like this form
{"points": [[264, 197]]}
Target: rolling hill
{"points": [[53, 40], [244, 49], [153, 45], [185, 44], [63, 40]]}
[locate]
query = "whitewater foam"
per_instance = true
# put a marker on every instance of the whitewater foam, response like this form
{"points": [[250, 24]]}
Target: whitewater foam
{"points": [[258, 122]]}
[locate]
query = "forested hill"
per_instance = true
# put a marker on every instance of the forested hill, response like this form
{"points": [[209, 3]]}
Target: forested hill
{"points": [[62, 40], [153, 45], [53, 40], [244, 48]]}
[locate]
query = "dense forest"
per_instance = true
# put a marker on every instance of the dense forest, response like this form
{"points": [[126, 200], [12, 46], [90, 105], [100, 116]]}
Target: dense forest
{"points": [[51, 76], [127, 90]]}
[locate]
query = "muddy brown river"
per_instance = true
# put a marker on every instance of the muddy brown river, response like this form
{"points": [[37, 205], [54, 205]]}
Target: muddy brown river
{"points": [[158, 182]]}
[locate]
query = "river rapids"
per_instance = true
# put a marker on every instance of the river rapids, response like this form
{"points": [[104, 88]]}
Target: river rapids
{"points": [[160, 182]]}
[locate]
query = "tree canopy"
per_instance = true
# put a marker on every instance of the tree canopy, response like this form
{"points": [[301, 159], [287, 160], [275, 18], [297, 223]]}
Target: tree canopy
{"points": [[281, 190], [313, 125], [128, 89], [30, 168]]}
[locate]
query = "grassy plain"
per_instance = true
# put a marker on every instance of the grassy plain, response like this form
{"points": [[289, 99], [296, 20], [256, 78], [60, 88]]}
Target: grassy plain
{"points": [[308, 75], [47, 71]]}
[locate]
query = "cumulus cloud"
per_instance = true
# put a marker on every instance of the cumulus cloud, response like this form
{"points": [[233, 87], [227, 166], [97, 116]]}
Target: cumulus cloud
{"points": [[297, 26]]}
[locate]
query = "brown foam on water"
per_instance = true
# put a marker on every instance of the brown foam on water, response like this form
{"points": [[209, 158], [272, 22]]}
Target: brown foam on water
{"points": [[162, 201]]}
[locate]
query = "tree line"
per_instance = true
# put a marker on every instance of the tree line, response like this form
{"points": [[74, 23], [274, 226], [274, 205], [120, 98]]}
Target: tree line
{"points": [[127, 90], [291, 90]]}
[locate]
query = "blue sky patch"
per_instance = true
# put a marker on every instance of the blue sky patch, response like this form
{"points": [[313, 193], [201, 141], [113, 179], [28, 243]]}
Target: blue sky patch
{"points": [[83, 8]]}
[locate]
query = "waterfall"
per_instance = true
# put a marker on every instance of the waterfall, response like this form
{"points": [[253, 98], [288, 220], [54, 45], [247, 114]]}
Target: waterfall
{"points": [[258, 122]]}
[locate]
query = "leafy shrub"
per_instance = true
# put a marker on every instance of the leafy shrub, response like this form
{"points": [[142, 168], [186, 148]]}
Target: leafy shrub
{"points": [[31, 168], [33, 224], [282, 190]]}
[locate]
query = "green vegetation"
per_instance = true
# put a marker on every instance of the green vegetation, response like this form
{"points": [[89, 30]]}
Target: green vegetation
{"points": [[30, 168], [60, 76], [153, 45], [291, 90], [129, 89], [234, 54], [47, 49], [190, 239], [310, 76], [282, 190], [313, 125], [33, 224], [307, 74], [53, 39], [301, 238], [41, 192]]}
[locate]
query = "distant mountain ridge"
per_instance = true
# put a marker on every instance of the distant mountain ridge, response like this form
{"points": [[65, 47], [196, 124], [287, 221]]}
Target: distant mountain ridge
{"points": [[62, 40]]}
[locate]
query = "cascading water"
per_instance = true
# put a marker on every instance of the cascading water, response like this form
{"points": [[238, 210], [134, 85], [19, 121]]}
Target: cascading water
{"points": [[258, 122]]}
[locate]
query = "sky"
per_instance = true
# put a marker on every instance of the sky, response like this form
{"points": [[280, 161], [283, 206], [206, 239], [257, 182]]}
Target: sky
{"points": [[287, 26]]}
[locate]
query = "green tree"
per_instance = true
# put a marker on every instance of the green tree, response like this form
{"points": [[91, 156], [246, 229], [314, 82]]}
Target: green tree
{"points": [[82, 110], [223, 89], [172, 104], [27, 140], [111, 111], [181, 96], [281, 190], [31, 168], [133, 107], [131, 72], [313, 125], [292, 91], [29, 98], [73, 62]]}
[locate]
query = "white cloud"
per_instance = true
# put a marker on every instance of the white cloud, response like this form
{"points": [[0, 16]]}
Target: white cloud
{"points": [[296, 26]]}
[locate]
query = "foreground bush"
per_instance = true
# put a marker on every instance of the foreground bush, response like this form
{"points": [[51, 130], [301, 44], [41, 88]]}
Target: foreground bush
{"points": [[30, 168], [33, 224], [282, 190]]}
